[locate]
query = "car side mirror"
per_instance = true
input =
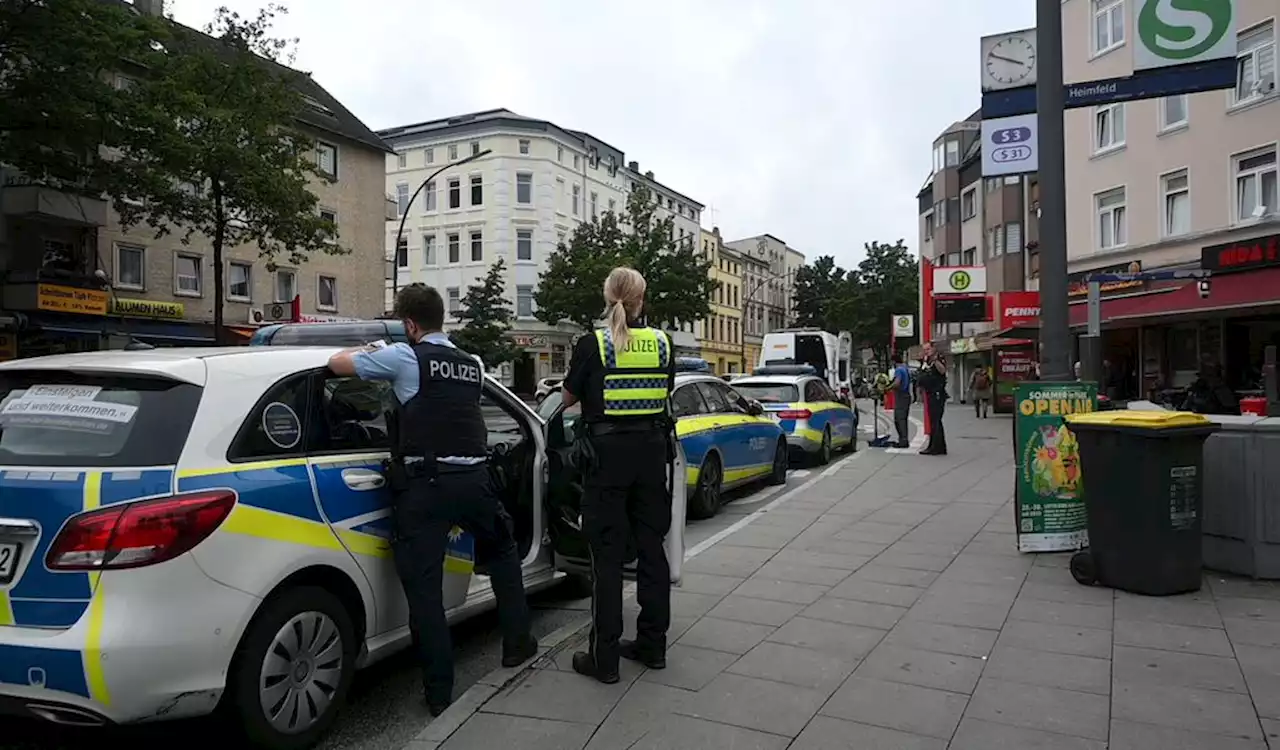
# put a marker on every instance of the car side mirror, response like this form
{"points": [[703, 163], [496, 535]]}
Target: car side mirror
{"points": [[754, 408]]}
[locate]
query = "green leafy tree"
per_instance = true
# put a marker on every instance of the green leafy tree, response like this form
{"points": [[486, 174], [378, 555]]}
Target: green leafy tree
{"points": [[225, 159], [488, 317], [885, 283], [679, 288], [817, 291]]}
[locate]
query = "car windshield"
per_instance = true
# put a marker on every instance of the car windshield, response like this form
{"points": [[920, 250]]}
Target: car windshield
{"points": [[59, 418], [769, 393]]}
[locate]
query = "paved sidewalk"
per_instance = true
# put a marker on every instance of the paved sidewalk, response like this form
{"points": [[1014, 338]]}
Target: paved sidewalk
{"points": [[884, 608]]}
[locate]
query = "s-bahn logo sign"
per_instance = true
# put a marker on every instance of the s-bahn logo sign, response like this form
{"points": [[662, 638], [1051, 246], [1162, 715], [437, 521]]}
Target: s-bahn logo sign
{"points": [[1178, 32]]}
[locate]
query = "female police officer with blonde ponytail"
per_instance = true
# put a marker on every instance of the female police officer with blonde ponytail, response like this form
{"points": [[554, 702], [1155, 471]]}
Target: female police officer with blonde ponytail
{"points": [[623, 376]]}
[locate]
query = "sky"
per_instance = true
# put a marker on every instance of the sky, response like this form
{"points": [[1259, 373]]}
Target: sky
{"points": [[811, 120]]}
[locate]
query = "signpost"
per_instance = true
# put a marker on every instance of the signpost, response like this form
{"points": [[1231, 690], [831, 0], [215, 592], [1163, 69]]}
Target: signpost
{"points": [[1010, 146], [1049, 490]]}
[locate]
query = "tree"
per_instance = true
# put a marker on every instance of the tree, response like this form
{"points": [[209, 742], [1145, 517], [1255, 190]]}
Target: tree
{"points": [[885, 283], [817, 290], [224, 157], [679, 287], [488, 316]]}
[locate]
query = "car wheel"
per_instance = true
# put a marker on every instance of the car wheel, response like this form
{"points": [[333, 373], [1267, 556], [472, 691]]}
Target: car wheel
{"points": [[706, 498], [292, 671], [824, 453], [781, 461]]}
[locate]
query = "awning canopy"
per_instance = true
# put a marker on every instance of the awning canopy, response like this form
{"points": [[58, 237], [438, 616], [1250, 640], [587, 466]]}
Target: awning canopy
{"points": [[1235, 291]]}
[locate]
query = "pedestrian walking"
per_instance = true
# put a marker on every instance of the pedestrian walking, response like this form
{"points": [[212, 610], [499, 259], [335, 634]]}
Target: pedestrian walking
{"points": [[980, 391], [623, 376], [933, 381], [901, 388], [439, 479]]}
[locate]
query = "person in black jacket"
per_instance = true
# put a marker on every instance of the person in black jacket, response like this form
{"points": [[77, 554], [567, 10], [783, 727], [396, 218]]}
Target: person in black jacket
{"points": [[933, 381]]}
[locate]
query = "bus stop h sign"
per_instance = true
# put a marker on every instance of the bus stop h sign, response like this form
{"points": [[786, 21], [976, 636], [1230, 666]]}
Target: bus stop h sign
{"points": [[1180, 32]]}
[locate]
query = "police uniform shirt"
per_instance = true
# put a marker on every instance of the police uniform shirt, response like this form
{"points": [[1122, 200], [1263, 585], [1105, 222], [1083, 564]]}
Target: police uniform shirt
{"points": [[586, 376]]}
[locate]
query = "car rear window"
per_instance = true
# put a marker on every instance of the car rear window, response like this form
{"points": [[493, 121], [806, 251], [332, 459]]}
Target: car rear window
{"points": [[60, 418], [329, 334], [768, 393]]}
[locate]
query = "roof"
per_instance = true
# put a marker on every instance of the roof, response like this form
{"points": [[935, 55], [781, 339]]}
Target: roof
{"points": [[774, 379], [494, 119], [690, 377], [188, 364]]}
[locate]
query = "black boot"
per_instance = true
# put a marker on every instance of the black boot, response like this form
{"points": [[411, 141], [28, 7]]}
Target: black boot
{"points": [[634, 652], [520, 654], [585, 665]]}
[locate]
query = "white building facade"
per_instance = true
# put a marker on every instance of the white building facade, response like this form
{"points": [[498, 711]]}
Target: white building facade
{"points": [[527, 186]]}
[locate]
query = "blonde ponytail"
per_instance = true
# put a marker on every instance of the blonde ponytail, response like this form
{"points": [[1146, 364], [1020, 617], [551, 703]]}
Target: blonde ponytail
{"points": [[623, 297]]}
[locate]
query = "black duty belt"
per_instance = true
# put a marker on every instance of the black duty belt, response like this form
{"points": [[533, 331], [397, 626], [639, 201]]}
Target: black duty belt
{"points": [[624, 427]]}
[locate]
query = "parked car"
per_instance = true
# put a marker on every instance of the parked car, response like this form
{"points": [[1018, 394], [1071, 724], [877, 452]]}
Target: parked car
{"points": [[815, 420], [215, 522]]}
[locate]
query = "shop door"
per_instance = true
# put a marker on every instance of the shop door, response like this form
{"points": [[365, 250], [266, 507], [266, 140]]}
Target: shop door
{"points": [[524, 374]]}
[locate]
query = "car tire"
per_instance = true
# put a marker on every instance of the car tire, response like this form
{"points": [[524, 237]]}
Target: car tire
{"points": [[320, 672], [706, 496], [823, 456], [781, 462]]}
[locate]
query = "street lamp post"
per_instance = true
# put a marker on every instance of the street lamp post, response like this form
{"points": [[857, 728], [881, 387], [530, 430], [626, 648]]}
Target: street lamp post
{"points": [[1050, 102], [742, 339], [395, 260]]}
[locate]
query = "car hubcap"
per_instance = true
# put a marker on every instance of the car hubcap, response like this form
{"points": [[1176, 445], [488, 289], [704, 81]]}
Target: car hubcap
{"points": [[301, 672], [711, 487], [780, 461]]}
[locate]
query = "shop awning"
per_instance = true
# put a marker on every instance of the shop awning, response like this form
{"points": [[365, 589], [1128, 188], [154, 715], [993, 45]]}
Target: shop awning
{"points": [[1235, 291]]}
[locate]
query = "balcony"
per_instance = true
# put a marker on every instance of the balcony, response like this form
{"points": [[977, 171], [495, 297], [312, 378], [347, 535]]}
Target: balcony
{"points": [[23, 198]]}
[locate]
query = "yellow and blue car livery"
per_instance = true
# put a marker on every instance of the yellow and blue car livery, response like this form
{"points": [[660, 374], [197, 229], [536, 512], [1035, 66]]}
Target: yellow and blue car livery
{"points": [[812, 424]]}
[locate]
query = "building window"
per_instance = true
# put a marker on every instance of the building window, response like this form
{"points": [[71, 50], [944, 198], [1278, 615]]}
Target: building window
{"points": [[524, 301], [1110, 208], [524, 146], [429, 249], [130, 267], [286, 285], [1173, 112], [455, 192], [454, 250], [477, 190], [1108, 25], [475, 147], [429, 156], [429, 193], [559, 239], [1256, 64], [402, 198], [402, 253], [477, 247], [524, 244], [1108, 127], [327, 293], [327, 160], [239, 281], [186, 275], [1255, 183], [577, 196], [613, 206], [560, 154], [454, 297], [577, 162], [1177, 203], [331, 217], [969, 204], [402, 160], [595, 201], [453, 152], [1012, 237], [970, 256], [524, 188]]}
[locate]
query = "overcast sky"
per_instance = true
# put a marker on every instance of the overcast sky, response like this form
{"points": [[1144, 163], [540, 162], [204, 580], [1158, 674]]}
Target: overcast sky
{"points": [[811, 120]]}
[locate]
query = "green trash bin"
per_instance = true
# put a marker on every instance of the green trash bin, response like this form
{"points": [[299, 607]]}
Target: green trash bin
{"points": [[1144, 471]]}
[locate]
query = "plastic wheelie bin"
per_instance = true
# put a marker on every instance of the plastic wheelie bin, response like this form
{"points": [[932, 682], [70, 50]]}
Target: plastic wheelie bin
{"points": [[1144, 471]]}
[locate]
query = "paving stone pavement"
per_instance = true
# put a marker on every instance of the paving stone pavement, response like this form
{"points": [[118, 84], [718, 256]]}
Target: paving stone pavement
{"points": [[886, 608]]}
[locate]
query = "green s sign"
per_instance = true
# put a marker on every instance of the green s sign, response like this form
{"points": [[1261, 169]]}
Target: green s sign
{"points": [[1176, 32]]}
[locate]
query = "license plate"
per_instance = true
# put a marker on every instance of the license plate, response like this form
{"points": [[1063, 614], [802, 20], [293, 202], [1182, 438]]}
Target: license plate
{"points": [[10, 554]]}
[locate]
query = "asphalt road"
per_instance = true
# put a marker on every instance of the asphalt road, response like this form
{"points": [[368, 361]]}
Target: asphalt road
{"points": [[385, 708]]}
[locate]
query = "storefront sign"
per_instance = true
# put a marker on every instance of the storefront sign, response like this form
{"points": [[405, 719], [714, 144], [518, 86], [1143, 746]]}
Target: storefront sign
{"points": [[529, 342], [58, 298], [1020, 309], [1012, 367], [960, 280], [8, 346], [1078, 283], [147, 308], [1049, 489], [1259, 252]]}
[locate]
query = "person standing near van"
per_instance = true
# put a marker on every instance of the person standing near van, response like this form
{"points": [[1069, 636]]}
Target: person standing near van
{"points": [[623, 375], [980, 391], [439, 479], [901, 387]]}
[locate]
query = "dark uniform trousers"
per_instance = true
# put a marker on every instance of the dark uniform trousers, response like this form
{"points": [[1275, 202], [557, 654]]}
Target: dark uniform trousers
{"points": [[625, 499], [937, 434], [424, 514]]}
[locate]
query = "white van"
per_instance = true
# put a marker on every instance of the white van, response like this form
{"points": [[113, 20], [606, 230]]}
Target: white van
{"points": [[828, 354]]}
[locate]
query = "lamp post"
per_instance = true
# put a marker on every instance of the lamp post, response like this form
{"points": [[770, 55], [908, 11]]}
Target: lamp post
{"points": [[1055, 333], [395, 260], [745, 301]]}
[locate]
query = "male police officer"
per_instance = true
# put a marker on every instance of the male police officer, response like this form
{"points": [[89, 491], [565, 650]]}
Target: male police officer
{"points": [[439, 479]]}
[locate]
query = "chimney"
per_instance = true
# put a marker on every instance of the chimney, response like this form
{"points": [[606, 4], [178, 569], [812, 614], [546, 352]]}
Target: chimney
{"points": [[649, 175], [634, 166], [150, 7]]}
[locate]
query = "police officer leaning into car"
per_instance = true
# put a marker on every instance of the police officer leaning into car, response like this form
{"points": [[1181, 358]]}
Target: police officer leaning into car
{"points": [[439, 479], [623, 376]]}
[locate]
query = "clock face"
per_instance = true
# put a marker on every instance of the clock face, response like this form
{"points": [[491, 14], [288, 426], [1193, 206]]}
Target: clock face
{"points": [[1011, 61]]}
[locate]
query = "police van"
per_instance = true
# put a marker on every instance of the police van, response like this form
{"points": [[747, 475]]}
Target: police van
{"points": [[184, 530], [828, 354]]}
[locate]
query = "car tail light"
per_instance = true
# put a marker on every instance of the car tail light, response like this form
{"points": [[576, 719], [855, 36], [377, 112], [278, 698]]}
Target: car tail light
{"points": [[133, 535], [795, 414]]}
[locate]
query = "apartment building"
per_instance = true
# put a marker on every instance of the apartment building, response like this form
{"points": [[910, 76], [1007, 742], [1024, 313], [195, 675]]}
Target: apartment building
{"points": [[755, 271], [772, 289], [1181, 182], [72, 279], [721, 333], [499, 185]]}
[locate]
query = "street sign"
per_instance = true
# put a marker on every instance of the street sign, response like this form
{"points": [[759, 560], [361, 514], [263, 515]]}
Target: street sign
{"points": [[960, 309], [1009, 146], [960, 280], [904, 326], [1171, 34]]}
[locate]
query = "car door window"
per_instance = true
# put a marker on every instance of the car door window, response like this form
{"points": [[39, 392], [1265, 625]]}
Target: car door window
{"points": [[813, 391], [687, 402], [735, 400], [825, 392], [278, 423], [350, 416], [715, 398]]}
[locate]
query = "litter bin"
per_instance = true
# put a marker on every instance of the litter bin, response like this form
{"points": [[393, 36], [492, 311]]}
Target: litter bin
{"points": [[1144, 471]]}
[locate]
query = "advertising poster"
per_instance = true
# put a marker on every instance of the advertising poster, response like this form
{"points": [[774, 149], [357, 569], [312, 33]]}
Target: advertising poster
{"points": [[1049, 497], [1013, 366]]}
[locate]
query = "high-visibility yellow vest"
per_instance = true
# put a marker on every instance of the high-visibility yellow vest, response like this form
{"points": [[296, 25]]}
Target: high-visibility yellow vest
{"points": [[636, 378]]}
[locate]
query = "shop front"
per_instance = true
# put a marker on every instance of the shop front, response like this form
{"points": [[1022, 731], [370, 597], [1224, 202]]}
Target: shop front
{"points": [[542, 355]]}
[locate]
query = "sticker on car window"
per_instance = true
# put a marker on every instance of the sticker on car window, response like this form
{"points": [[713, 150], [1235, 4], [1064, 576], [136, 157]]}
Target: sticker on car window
{"points": [[63, 392], [281, 425], [43, 409]]}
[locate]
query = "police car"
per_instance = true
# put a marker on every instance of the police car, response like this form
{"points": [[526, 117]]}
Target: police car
{"points": [[804, 406], [727, 440], [188, 529]]}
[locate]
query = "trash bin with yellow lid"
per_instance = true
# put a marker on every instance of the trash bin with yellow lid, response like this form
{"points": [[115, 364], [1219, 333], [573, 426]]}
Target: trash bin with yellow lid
{"points": [[1145, 472]]}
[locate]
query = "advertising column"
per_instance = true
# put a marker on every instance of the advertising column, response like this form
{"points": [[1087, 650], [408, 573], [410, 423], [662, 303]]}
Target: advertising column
{"points": [[1049, 490]]}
